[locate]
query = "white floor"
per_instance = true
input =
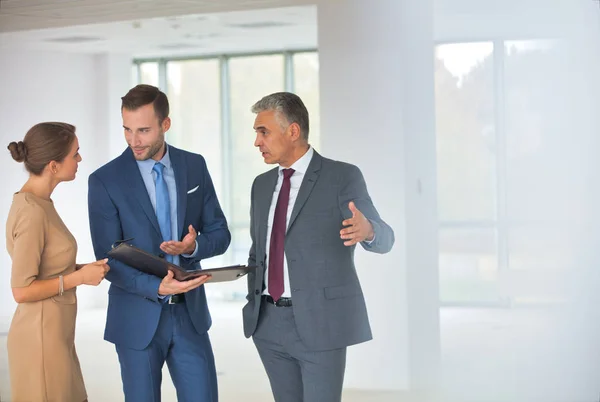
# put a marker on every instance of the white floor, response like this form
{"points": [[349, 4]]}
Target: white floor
{"points": [[241, 376], [488, 355]]}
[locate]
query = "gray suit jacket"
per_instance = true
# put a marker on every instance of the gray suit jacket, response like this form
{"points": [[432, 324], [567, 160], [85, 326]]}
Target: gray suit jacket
{"points": [[329, 307]]}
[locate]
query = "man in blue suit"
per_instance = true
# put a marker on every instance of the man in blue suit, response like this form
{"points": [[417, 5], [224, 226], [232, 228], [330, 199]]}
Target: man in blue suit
{"points": [[163, 198]]}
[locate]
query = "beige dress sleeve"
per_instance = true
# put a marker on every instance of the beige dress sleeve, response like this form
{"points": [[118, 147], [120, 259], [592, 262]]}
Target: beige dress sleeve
{"points": [[28, 244]]}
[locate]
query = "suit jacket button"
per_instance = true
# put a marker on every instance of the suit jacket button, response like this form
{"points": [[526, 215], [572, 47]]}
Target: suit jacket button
{"points": [[161, 255], [257, 292]]}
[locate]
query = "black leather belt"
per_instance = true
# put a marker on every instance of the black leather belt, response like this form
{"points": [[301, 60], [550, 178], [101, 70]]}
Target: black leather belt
{"points": [[282, 302], [177, 299]]}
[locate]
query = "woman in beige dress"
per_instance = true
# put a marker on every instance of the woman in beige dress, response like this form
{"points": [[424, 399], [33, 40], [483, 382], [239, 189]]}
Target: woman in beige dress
{"points": [[43, 364]]}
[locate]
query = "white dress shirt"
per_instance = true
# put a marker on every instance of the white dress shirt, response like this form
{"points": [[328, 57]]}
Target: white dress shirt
{"points": [[300, 167]]}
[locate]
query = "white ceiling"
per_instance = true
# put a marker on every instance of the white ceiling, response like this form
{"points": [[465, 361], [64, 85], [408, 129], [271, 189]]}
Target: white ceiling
{"points": [[161, 28], [16, 15], [151, 28]]}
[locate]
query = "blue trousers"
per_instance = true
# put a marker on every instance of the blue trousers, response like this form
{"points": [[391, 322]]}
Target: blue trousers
{"points": [[188, 355]]}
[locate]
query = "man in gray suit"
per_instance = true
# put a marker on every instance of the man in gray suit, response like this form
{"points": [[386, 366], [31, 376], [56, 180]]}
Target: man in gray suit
{"points": [[305, 304]]}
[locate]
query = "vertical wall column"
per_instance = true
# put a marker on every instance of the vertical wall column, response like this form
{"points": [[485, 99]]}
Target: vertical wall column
{"points": [[377, 111]]}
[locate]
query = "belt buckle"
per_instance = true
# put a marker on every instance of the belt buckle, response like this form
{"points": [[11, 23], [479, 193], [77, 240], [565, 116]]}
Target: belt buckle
{"points": [[170, 300], [282, 302]]}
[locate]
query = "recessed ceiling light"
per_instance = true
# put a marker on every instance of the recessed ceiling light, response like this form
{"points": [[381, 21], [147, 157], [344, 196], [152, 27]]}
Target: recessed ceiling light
{"points": [[176, 46], [75, 39], [260, 25], [201, 36]]}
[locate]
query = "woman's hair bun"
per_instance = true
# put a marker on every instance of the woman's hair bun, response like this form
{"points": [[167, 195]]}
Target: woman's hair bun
{"points": [[18, 151]]}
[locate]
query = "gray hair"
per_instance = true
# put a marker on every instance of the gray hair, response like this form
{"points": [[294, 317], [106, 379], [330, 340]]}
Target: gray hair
{"points": [[288, 106]]}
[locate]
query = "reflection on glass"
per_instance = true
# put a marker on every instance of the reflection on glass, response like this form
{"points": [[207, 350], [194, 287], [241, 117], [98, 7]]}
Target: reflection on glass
{"points": [[465, 131], [306, 86]]}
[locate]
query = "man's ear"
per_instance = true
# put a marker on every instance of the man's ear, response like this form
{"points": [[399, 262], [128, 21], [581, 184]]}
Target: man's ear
{"points": [[166, 124], [295, 131]]}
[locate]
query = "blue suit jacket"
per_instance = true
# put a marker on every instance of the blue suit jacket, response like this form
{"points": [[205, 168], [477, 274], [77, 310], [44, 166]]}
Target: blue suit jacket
{"points": [[120, 208]]}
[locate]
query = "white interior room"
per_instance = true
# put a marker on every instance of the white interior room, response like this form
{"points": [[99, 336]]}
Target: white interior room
{"points": [[473, 121]]}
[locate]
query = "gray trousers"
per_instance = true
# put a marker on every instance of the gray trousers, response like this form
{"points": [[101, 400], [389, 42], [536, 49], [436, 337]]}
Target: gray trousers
{"points": [[295, 373]]}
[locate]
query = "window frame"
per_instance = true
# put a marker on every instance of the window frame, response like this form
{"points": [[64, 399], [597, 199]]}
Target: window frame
{"points": [[225, 96]]}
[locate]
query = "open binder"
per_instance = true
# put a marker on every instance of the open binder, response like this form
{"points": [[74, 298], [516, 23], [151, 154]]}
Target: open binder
{"points": [[154, 265]]}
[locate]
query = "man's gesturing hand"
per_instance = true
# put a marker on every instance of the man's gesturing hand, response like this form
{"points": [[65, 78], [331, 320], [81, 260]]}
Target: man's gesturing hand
{"points": [[358, 228], [185, 246]]}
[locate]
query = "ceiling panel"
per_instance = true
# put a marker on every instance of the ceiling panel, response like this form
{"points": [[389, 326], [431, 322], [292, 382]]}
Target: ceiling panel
{"points": [[272, 29], [18, 15]]}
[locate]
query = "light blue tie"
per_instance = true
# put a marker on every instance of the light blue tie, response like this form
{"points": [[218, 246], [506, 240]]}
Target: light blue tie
{"points": [[163, 205]]}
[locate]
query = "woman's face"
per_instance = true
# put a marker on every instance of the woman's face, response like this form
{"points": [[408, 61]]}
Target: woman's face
{"points": [[67, 169]]}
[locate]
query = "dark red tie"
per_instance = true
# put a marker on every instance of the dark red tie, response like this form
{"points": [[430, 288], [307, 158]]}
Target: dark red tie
{"points": [[278, 238]]}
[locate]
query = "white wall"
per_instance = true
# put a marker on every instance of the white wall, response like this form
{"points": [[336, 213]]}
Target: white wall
{"points": [[377, 111], [36, 87]]}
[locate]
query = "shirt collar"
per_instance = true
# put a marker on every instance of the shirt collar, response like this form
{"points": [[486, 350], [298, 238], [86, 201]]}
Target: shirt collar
{"points": [[301, 165], [147, 165]]}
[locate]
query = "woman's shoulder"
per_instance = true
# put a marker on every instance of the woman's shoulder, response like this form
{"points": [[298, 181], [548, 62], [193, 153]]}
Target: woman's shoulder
{"points": [[28, 205]]}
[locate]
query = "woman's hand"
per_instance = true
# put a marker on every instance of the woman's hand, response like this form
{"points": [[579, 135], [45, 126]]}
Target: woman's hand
{"points": [[93, 273]]}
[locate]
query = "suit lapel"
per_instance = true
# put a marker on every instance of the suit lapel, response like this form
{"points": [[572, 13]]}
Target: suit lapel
{"points": [[310, 178], [264, 196], [180, 171], [136, 186]]}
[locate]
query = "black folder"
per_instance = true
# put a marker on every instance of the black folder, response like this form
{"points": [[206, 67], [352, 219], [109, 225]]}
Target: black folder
{"points": [[151, 264]]}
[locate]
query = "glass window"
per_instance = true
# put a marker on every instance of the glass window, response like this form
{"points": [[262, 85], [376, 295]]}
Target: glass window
{"points": [[468, 266], [536, 119], [540, 257], [465, 131], [195, 101], [466, 169], [306, 86], [251, 79], [531, 168], [194, 91], [542, 168], [149, 73]]}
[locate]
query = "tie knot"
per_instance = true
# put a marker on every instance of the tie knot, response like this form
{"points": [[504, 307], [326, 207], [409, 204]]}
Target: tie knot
{"points": [[287, 173], [158, 168]]}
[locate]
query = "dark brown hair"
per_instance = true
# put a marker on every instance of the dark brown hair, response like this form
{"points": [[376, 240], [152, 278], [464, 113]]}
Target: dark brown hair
{"points": [[142, 95], [43, 143]]}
